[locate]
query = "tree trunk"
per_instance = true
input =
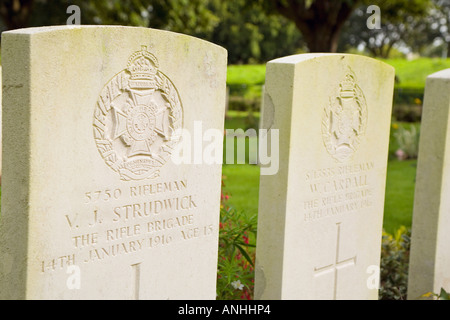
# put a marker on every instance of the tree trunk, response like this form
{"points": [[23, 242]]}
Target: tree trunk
{"points": [[320, 38], [448, 50], [320, 23]]}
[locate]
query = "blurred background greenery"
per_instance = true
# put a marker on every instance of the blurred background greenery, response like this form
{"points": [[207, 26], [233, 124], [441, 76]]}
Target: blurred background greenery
{"points": [[255, 31]]}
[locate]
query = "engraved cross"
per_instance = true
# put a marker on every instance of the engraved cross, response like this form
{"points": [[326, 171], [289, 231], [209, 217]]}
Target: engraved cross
{"points": [[136, 269], [337, 264]]}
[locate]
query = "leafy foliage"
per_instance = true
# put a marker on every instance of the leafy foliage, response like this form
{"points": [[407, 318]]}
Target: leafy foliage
{"points": [[408, 141], [193, 17], [400, 19], [394, 264], [237, 233], [259, 30], [442, 295], [252, 35]]}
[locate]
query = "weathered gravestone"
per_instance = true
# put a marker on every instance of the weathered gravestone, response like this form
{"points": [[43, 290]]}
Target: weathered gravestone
{"points": [[93, 206], [0, 126], [429, 269], [320, 217]]}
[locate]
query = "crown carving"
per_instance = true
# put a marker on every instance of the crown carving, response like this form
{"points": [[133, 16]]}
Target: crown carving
{"points": [[348, 87], [143, 65]]}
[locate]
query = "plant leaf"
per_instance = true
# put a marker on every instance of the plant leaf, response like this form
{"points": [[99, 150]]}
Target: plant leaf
{"points": [[245, 254], [308, 3], [444, 295]]}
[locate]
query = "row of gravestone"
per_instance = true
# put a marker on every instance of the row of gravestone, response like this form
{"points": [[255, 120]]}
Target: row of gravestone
{"points": [[94, 207]]}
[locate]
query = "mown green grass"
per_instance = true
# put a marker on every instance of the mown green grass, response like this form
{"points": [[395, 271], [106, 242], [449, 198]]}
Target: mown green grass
{"points": [[410, 74], [246, 74], [399, 201], [413, 74], [241, 184]]}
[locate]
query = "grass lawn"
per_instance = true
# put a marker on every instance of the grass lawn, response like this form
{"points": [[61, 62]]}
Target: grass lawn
{"points": [[398, 205], [246, 74], [241, 183], [411, 74]]}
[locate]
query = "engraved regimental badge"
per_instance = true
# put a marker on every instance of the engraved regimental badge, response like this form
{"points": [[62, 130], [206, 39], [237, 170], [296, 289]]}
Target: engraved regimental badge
{"points": [[344, 120], [137, 119]]}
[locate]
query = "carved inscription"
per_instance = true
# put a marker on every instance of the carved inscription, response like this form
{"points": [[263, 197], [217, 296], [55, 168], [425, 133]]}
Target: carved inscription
{"points": [[344, 120], [337, 190], [129, 221], [136, 117]]}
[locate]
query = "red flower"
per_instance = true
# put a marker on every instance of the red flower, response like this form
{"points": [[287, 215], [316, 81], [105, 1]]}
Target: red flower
{"points": [[246, 295]]}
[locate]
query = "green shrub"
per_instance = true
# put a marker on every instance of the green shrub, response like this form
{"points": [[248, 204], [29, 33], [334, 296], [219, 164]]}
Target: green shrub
{"points": [[394, 265], [407, 112], [408, 96], [236, 263], [408, 142], [238, 103]]}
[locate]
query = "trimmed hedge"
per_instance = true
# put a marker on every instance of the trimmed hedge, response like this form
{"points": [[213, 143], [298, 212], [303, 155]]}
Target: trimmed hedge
{"points": [[407, 101]]}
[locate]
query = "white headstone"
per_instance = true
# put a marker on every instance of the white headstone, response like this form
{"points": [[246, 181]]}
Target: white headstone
{"points": [[93, 205], [0, 126], [320, 217], [429, 269]]}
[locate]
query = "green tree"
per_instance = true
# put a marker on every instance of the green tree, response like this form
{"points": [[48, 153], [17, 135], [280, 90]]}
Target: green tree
{"points": [[403, 22], [321, 21], [251, 35], [193, 17], [115, 12], [187, 16], [442, 22]]}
